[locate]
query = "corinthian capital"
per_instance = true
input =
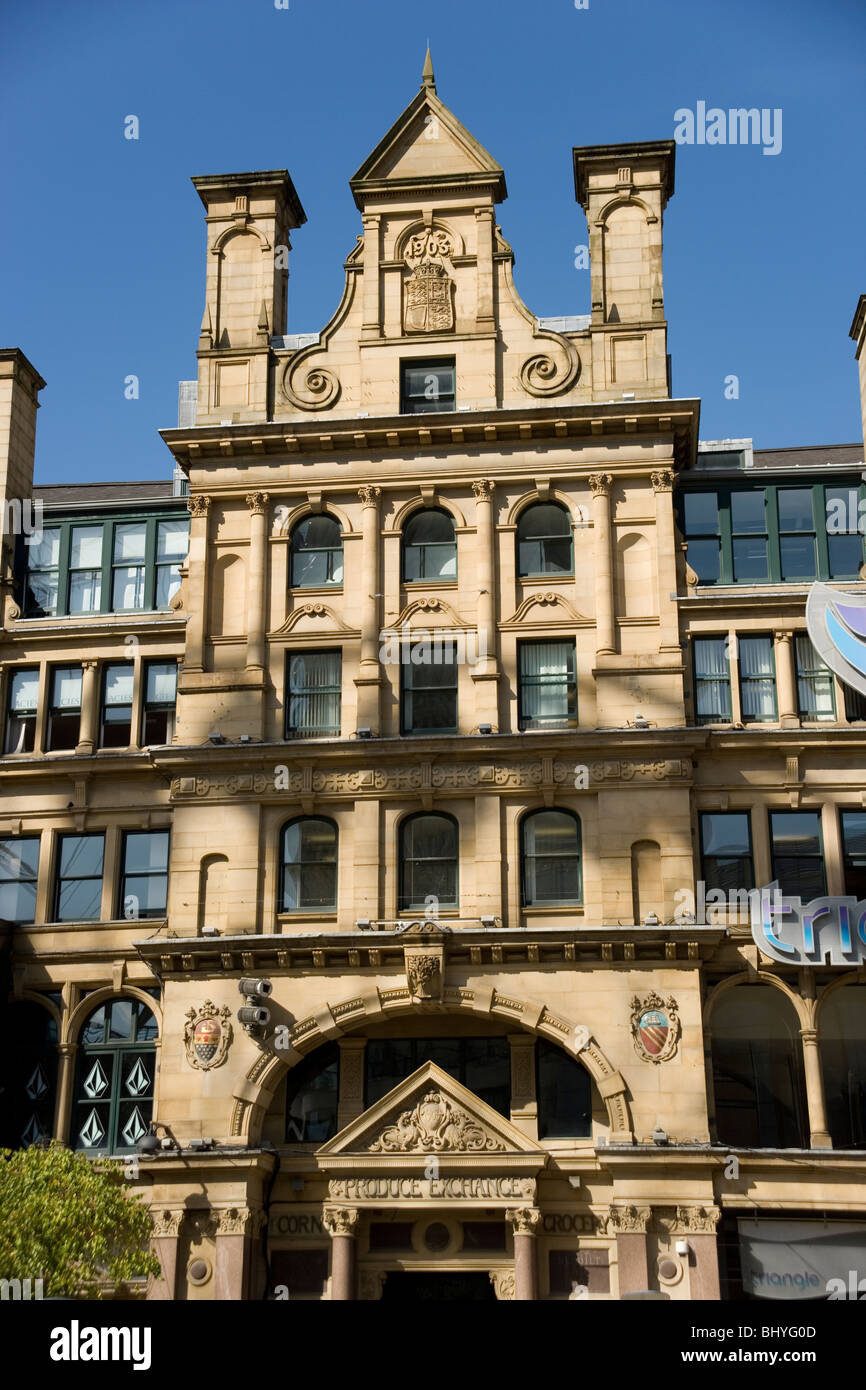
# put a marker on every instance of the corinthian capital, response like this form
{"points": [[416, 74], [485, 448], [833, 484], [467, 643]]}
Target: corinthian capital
{"points": [[524, 1220], [341, 1221], [369, 495], [483, 489], [662, 479], [198, 504], [600, 484], [257, 501]]}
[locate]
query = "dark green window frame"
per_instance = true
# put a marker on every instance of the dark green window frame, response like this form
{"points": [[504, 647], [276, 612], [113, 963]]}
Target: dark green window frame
{"points": [[726, 535], [122, 1061], [65, 524]]}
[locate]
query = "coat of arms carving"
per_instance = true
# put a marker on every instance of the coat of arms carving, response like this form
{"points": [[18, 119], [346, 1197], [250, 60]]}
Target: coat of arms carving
{"points": [[207, 1034], [428, 290], [655, 1027]]}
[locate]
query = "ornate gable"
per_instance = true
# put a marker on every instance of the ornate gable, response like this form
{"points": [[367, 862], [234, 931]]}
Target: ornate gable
{"points": [[430, 1115]]}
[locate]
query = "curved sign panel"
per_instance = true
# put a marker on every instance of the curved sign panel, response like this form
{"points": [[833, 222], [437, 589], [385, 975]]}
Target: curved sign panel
{"points": [[837, 627]]}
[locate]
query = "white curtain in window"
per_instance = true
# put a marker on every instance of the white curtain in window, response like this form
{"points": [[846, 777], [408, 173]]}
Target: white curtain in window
{"points": [[315, 698], [545, 669], [814, 682], [758, 676], [713, 684]]}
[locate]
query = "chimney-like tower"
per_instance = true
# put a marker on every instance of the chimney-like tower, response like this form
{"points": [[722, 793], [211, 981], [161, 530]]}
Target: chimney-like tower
{"points": [[858, 333], [20, 384]]}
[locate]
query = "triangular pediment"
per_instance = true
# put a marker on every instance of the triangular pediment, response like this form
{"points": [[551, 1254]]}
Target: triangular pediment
{"points": [[430, 1115], [425, 146]]}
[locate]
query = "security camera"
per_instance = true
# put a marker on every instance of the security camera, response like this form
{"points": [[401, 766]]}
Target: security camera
{"points": [[255, 988], [254, 1017]]}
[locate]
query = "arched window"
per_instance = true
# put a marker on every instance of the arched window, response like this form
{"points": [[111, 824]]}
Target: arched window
{"points": [[544, 540], [564, 1090], [428, 861], [309, 866], [842, 1034], [760, 1094], [114, 1081], [429, 546], [317, 553], [312, 1090], [550, 856], [481, 1063], [29, 1066]]}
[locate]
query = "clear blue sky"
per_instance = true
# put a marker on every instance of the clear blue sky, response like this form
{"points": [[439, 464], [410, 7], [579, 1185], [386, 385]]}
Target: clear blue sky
{"points": [[101, 243]]}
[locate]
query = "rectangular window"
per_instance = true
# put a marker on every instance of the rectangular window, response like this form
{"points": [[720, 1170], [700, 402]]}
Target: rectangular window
{"points": [[855, 705], [144, 877], [85, 569], [853, 852], [64, 711], [427, 386], [547, 686], [128, 568], [19, 869], [78, 891], [160, 695], [815, 696], [43, 570], [749, 536], [712, 681], [798, 853], [726, 851], [429, 701], [796, 533], [314, 690], [844, 539], [757, 679], [116, 724], [701, 529], [21, 712], [172, 544]]}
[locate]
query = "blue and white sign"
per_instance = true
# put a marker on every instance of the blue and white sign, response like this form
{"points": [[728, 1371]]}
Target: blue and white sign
{"points": [[837, 626], [825, 931]]}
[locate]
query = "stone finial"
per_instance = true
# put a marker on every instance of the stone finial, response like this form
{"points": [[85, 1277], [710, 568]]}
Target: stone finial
{"points": [[427, 76]]}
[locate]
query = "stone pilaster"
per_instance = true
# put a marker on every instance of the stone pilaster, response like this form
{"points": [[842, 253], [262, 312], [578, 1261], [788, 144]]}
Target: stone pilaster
{"points": [[666, 562], [369, 676], [257, 579], [485, 674], [605, 641], [197, 564]]}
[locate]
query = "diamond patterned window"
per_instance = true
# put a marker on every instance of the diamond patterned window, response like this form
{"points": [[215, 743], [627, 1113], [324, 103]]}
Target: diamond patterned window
{"points": [[28, 1074], [114, 1086]]}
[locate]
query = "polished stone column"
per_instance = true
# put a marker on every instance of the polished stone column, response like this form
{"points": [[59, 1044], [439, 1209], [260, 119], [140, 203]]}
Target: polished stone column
{"points": [[89, 726], [369, 674], [257, 579], [524, 1223], [166, 1234], [629, 1223], [788, 716], [197, 583], [235, 1228], [342, 1223], [600, 485]]}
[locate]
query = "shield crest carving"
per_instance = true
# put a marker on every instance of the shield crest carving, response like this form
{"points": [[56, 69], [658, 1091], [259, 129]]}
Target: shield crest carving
{"points": [[655, 1027], [207, 1034]]}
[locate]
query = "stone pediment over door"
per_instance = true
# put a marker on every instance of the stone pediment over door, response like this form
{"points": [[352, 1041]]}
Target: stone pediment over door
{"points": [[431, 1124]]}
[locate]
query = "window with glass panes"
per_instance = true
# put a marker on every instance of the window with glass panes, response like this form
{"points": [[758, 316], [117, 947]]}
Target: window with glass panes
{"points": [[144, 874], [160, 695], [19, 871], [797, 850], [125, 564], [317, 553], [429, 688], [712, 680], [816, 698], [853, 853], [429, 547], [773, 534], [564, 1092], [28, 1074], [78, 883], [312, 1095], [309, 866], [545, 541], [726, 851], [428, 860], [21, 705], [547, 685], [757, 663], [551, 867], [427, 386], [64, 708], [116, 722], [855, 705], [314, 693], [115, 1073], [482, 1064]]}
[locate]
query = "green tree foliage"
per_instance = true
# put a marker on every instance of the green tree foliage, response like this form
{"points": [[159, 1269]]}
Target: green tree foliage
{"points": [[70, 1222]]}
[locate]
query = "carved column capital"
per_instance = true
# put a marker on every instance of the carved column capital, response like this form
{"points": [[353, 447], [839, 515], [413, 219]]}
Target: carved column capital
{"points": [[198, 504], [784, 636], [662, 479], [600, 484], [167, 1222], [524, 1220], [699, 1221], [89, 665], [628, 1220], [483, 489], [341, 1221], [235, 1221], [369, 495], [258, 502]]}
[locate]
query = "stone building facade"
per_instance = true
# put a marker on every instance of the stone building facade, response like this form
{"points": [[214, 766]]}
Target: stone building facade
{"points": [[472, 677]]}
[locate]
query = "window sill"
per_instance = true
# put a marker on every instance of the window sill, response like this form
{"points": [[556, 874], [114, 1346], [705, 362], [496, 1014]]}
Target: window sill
{"points": [[303, 591], [545, 579]]}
